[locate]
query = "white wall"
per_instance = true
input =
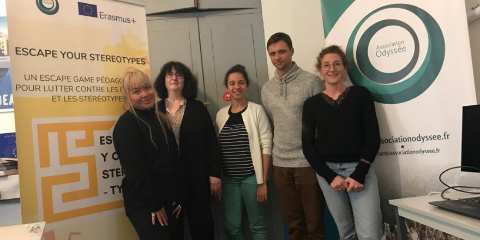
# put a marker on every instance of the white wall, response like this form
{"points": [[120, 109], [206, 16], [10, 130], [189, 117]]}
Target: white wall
{"points": [[474, 29], [7, 122], [302, 20]]}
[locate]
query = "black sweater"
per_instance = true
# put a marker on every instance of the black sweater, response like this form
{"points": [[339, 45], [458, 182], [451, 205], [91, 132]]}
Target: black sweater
{"points": [[153, 175], [345, 133], [199, 150]]}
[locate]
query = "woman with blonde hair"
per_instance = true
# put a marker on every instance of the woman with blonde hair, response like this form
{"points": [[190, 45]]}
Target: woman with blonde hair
{"points": [[153, 187]]}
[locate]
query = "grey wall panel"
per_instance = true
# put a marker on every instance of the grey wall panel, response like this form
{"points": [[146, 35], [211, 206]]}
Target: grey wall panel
{"points": [[228, 4], [160, 6], [226, 41], [230, 40], [233, 45], [136, 2], [177, 40], [211, 43]]}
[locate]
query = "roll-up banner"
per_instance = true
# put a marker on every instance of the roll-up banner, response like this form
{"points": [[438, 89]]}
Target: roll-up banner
{"points": [[414, 57], [67, 61], [6, 96]]}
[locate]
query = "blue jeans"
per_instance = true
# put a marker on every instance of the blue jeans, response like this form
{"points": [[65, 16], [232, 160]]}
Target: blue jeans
{"points": [[357, 214], [236, 193]]}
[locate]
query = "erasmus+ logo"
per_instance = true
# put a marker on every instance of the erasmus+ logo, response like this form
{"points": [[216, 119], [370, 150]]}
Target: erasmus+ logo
{"points": [[396, 59], [48, 7], [89, 10]]}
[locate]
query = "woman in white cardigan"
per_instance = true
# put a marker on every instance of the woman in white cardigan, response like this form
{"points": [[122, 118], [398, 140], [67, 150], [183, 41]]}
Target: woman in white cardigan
{"points": [[246, 144]]}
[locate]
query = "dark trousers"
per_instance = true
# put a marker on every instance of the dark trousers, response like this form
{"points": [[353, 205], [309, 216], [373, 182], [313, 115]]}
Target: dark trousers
{"points": [[141, 220], [200, 221], [301, 201]]}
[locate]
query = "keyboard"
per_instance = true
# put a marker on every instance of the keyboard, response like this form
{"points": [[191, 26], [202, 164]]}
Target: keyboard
{"points": [[472, 201]]}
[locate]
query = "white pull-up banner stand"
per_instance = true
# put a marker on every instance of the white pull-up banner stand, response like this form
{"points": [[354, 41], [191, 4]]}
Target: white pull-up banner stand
{"points": [[67, 60], [414, 57]]}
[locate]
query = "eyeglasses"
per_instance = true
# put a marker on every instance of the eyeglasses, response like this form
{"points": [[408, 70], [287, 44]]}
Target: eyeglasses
{"points": [[336, 65], [178, 75]]}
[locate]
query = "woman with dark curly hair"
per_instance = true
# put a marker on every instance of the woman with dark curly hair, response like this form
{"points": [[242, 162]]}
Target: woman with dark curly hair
{"points": [[197, 142]]}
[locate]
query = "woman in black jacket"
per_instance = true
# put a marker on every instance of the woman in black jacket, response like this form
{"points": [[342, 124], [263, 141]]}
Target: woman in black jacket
{"points": [[197, 141], [153, 187]]}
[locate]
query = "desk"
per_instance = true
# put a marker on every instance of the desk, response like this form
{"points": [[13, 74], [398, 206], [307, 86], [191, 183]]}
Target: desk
{"points": [[418, 210], [23, 232]]}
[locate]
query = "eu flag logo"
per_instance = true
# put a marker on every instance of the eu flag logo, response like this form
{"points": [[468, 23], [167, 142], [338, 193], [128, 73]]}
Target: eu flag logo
{"points": [[86, 9]]}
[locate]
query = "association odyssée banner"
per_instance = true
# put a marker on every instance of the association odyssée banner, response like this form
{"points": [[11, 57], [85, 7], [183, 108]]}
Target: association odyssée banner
{"points": [[67, 60], [414, 57]]}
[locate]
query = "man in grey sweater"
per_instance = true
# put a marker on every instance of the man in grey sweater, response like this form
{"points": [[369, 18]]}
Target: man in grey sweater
{"points": [[301, 199]]}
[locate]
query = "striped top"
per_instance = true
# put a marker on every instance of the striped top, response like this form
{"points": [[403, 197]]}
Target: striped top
{"points": [[235, 147]]}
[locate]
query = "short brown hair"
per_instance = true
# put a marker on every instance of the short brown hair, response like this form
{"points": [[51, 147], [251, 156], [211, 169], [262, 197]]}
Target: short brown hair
{"points": [[280, 36], [331, 49]]}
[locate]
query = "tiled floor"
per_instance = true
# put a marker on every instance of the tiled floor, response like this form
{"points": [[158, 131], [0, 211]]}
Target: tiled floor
{"points": [[10, 212]]}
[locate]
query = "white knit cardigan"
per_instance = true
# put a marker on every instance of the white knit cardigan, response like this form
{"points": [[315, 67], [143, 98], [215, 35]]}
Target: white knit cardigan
{"points": [[259, 133]]}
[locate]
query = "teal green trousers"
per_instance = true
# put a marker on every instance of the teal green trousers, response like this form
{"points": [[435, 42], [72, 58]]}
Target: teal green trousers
{"points": [[239, 192]]}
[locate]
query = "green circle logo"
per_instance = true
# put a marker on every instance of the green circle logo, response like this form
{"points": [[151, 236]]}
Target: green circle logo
{"points": [[48, 7], [393, 88]]}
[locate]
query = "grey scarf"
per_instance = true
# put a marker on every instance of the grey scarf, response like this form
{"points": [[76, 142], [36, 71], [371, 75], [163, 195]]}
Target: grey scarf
{"points": [[290, 76]]}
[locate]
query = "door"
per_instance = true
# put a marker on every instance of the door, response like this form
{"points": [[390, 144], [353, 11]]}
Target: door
{"points": [[176, 40], [161, 6], [229, 40], [226, 41], [210, 45], [228, 4]]}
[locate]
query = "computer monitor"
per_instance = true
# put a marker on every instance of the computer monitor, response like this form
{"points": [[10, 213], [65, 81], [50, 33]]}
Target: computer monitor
{"points": [[471, 138]]}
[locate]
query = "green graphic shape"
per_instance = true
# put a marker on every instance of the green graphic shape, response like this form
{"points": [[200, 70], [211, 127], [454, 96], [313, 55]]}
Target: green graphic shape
{"points": [[364, 63], [332, 10], [48, 10], [420, 81]]}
